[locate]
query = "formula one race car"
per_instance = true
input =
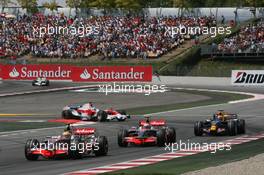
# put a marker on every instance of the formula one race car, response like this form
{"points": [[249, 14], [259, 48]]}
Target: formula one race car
{"points": [[222, 123], [89, 113], [153, 132], [74, 143], [40, 81]]}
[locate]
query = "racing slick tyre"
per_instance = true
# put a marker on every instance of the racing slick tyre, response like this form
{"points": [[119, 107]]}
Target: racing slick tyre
{"points": [[198, 130], [33, 83], [103, 146], [47, 83], [232, 127], [161, 137], [102, 116], [241, 126], [121, 138], [171, 135], [30, 144], [66, 114]]}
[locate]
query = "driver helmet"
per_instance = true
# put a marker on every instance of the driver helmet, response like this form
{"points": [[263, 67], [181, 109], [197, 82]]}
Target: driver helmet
{"points": [[220, 116], [147, 126], [66, 134]]}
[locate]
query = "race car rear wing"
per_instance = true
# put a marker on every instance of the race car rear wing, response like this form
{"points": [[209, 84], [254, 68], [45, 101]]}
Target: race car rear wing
{"points": [[84, 131], [153, 122]]}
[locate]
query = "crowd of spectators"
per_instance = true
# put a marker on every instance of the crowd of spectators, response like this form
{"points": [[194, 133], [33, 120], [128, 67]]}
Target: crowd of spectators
{"points": [[250, 39], [116, 37]]}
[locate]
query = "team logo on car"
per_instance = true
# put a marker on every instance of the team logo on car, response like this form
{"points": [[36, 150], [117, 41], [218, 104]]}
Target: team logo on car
{"points": [[85, 75], [14, 73]]}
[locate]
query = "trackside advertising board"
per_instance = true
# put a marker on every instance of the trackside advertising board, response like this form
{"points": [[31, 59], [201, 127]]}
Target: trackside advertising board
{"points": [[31, 72], [247, 77], [77, 73], [113, 73]]}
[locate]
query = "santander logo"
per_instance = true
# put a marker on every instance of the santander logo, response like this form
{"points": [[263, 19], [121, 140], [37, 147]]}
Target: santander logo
{"points": [[85, 75], [14, 73]]}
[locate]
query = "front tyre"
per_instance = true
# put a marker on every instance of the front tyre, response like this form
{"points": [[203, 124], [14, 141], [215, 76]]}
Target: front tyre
{"points": [[102, 146], [121, 138], [31, 144], [198, 130], [171, 135], [102, 116], [161, 137]]}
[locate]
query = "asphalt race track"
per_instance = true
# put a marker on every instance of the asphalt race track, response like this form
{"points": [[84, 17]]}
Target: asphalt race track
{"points": [[12, 159]]}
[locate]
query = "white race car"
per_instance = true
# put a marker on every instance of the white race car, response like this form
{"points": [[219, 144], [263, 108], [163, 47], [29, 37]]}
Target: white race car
{"points": [[87, 112], [40, 81]]}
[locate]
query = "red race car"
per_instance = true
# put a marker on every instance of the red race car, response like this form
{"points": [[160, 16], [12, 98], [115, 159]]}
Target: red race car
{"points": [[148, 132], [73, 143]]}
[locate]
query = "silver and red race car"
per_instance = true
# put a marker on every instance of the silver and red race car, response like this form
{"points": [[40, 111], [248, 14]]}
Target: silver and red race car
{"points": [[87, 112], [154, 132], [73, 143]]}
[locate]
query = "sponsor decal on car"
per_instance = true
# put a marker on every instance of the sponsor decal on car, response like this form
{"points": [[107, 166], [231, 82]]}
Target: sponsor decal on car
{"points": [[247, 77]]}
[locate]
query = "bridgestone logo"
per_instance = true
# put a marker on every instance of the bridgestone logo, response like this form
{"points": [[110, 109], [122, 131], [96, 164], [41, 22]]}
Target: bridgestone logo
{"points": [[248, 77]]}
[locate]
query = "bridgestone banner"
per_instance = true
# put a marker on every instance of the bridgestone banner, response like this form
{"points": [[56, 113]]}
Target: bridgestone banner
{"points": [[247, 77], [77, 73]]}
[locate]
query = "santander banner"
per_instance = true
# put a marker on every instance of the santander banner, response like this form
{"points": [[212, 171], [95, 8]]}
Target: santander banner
{"points": [[112, 73], [77, 73], [31, 72]]}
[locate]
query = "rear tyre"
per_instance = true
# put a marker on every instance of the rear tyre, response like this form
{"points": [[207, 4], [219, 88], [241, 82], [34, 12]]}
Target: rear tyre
{"points": [[121, 138], [47, 83], [30, 144], [66, 114], [103, 146], [198, 130], [241, 126], [171, 135], [161, 137], [232, 128], [102, 116]]}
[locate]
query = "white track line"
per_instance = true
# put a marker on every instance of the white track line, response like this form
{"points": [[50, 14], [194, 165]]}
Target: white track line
{"points": [[159, 158]]}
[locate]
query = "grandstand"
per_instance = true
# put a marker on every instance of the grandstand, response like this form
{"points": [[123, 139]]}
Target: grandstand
{"points": [[247, 42], [117, 37]]}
